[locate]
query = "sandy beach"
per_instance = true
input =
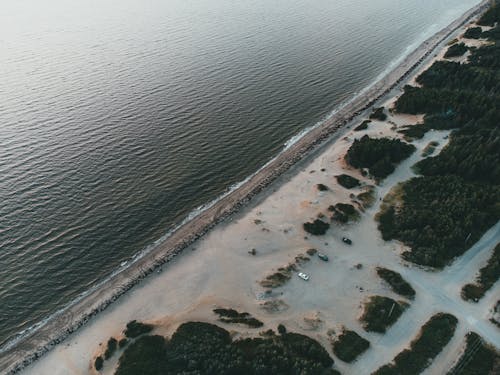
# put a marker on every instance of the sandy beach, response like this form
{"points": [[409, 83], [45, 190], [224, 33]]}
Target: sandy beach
{"points": [[206, 262]]}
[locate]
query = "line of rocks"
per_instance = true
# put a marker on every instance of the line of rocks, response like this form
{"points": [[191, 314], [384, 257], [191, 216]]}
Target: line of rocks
{"points": [[290, 160]]}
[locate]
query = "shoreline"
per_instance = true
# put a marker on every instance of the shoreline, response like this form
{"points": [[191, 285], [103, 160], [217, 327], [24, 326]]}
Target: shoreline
{"points": [[53, 332]]}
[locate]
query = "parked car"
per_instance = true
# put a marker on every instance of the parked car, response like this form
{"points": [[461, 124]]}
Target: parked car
{"points": [[323, 257], [346, 240], [304, 276]]}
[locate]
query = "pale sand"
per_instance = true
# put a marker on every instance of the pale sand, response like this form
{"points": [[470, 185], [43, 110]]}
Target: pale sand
{"points": [[218, 271]]}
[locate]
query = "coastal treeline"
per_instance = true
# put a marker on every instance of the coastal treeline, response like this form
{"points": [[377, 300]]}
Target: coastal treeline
{"points": [[202, 348], [456, 199]]}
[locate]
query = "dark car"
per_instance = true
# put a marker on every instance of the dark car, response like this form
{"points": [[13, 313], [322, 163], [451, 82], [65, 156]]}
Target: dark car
{"points": [[346, 240], [323, 257]]}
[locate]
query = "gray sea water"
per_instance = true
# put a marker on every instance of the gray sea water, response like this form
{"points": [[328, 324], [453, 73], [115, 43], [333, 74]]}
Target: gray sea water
{"points": [[120, 117]]}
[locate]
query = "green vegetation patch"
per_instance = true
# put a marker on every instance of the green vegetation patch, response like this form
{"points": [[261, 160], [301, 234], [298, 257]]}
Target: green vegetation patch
{"points": [[488, 276], [322, 187], [202, 348], [317, 227], [478, 358], [380, 313], [378, 155], [473, 33], [135, 329], [233, 316], [344, 212], [441, 217], [429, 149], [349, 346], [456, 50], [412, 132], [99, 363], [378, 114], [367, 197], [111, 348], [347, 181], [396, 282], [431, 340], [362, 126]]}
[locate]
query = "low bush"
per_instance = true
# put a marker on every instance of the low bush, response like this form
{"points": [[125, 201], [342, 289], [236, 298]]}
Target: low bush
{"points": [[98, 363], [318, 227], [110, 350], [347, 181], [379, 155], [456, 50], [433, 337], [378, 114], [412, 132], [349, 346], [135, 329], [233, 316], [362, 126], [473, 33], [396, 282], [322, 187], [344, 212], [488, 276], [380, 313], [429, 149]]}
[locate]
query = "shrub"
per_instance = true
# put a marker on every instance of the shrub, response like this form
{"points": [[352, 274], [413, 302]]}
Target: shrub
{"points": [[98, 364], [322, 187], [110, 350], [473, 33], [233, 316], [381, 313], [396, 282], [412, 132], [318, 227], [349, 346], [344, 212], [378, 114], [456, 50], [429, 149], [347, 181], [378, 155], [135, 329], [431, 340], [362, 126], [311, 252]]}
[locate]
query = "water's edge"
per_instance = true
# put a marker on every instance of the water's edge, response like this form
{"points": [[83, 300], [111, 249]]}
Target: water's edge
{"points": [[25, 349]]}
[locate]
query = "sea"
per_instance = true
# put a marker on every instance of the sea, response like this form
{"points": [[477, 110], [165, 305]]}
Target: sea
{"points": [[121, 119]]}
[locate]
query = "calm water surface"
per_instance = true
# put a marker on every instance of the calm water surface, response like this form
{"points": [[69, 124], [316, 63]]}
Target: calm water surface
{"points": [[118, 118]]}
